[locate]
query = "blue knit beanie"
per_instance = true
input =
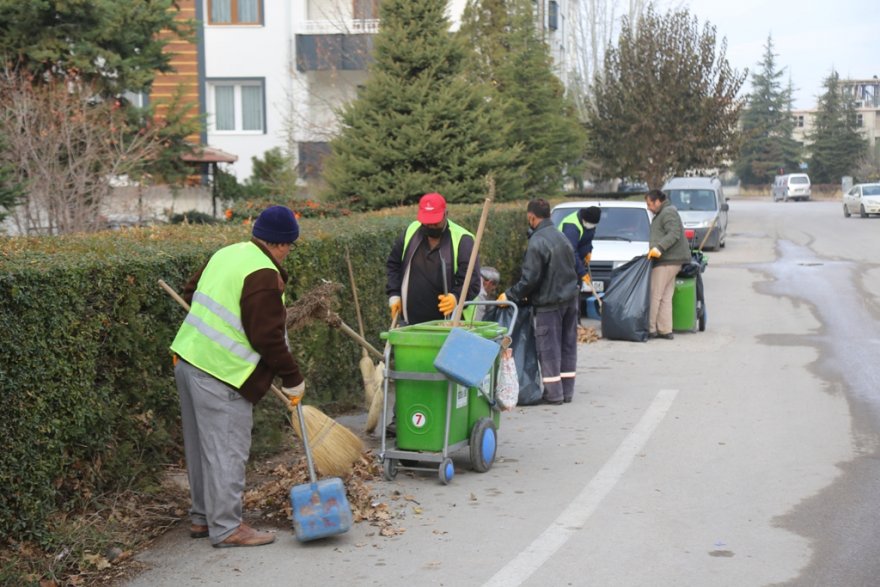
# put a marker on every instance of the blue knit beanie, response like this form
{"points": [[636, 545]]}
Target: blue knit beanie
{"points": [[276, 224]]}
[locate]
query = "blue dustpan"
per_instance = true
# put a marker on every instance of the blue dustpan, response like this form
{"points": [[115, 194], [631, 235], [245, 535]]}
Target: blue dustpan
{"points": [[466, 357]]}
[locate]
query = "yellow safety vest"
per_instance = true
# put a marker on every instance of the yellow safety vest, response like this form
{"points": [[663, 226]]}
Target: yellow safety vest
{"points": [[573, 219], [456, 232], [212, 337]]}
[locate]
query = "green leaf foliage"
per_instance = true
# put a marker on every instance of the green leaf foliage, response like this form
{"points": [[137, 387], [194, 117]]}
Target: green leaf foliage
{"points": [[510, 55], [666, 100], [86, 385], [837, 147], [116, 44], [767, 126], [419, 124]]}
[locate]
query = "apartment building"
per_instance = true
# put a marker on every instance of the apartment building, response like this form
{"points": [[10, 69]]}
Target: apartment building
{"points": [[866, 95], [273, 73]]}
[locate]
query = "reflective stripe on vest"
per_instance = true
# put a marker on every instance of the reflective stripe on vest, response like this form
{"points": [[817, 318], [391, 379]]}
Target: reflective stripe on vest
{"points": [[573, 219], [212, 337]]}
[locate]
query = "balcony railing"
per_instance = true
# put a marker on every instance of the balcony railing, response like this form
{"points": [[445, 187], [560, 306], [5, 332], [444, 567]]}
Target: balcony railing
{"points": [[335, 27]]}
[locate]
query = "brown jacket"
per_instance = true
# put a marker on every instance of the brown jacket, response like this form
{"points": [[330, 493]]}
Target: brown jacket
{"points": [[263, 317]]}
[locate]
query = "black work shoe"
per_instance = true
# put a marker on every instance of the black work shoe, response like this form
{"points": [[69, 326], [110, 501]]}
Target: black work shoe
{"points": [[391, 431], [548, 402], [667, 336], [567, 399], [652, 335]]}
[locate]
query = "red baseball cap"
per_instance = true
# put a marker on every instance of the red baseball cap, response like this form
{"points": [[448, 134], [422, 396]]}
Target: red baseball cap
{"points": [[432, 209]]}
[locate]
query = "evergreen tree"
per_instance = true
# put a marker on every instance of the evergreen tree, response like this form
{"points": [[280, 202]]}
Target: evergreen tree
{"points": [[10, 189], [767, 126], [115, 45], [666, 101], [837, 145], [510, 55], [419, 125]]}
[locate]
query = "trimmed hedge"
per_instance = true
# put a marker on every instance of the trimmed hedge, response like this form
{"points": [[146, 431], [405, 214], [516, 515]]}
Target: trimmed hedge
{"points": [[86, 381]]}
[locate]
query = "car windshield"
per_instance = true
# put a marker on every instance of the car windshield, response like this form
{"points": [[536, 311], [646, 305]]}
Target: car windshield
{"points": [[684, 200], [626, 224], [617, 223], [871, 190], [801, 179]]}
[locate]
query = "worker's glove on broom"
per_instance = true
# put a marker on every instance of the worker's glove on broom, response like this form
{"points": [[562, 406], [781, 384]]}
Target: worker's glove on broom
{"points": [[447, 303], [585, 283], [587, 258], [654, 253], [295, 393], [395, 305], [502, 298], [586, 279]]}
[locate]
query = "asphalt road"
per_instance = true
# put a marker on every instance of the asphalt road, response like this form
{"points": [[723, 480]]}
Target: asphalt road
{"points": [[745, 455]]}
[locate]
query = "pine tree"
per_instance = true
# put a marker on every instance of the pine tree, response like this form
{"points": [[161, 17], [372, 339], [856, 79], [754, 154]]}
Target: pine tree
{"points": [[837, 145], [767, 126], [11, 190], [510, 55], [419, 125]]}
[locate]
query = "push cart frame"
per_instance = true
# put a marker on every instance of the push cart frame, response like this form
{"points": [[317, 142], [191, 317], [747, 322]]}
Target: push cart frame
{"points": [[391, 457]]}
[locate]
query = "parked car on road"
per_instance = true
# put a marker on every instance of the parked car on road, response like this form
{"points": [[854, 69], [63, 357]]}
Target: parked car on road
{"points": [[862, 198], [702, 206], [622, 233], [792, 186]]}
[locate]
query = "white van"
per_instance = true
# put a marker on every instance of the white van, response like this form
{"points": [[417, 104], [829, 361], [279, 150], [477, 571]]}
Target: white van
{"points": [[792, 186]]}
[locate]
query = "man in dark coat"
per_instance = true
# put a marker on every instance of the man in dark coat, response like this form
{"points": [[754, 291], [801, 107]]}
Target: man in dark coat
{"points": [[549, 283]]}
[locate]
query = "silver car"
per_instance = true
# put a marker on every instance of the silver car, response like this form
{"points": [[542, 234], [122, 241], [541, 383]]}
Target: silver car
{"points": [[863, 198], [702, 206]]}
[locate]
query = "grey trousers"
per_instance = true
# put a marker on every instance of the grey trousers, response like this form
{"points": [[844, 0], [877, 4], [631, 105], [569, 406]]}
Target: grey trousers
{"points": [[217, 424], [556, 338]]}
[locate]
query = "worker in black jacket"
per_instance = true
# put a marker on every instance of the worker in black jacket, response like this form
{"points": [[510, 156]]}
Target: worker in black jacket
{"points": [[550, 284]]}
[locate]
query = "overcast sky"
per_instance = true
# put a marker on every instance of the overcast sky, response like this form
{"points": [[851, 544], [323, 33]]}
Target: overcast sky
{"points": [[810, 37]]}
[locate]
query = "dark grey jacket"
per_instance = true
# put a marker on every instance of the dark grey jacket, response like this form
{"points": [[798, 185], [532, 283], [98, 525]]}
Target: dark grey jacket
{"points": [[667, 234], [548, 276]]}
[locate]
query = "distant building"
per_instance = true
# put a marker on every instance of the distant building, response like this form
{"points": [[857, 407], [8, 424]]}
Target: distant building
{"points": [[866, 93], [273, 73]]}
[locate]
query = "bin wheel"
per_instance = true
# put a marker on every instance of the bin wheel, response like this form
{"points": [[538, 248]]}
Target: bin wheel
{"points": [[701, 316], [483, 445], [446, 471], [389, 468]]}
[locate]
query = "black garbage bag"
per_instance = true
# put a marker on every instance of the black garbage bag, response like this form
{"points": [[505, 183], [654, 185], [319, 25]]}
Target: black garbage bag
{"points": [[626, 303], [525, 351]]}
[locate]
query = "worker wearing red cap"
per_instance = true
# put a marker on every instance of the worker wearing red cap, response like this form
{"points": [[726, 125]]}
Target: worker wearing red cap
{"points": [[428, 263]]}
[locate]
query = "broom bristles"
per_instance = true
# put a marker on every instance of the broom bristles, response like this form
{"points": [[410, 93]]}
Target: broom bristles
{"points": [[368, 375], [377, 401], [334, 447]]}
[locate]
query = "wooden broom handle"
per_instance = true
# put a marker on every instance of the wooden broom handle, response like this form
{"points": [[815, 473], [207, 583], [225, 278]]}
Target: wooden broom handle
{"points": [[278, 393], [473, 260]]}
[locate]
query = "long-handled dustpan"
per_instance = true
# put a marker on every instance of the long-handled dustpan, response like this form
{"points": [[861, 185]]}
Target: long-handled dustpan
{"points": [[320, 508]]}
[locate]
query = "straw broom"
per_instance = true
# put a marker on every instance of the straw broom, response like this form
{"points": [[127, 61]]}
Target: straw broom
{"points": [[366, 363], [376, 401], [334, 447]]}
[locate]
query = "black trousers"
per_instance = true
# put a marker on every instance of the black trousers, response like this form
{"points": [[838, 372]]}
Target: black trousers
{"points": [[556, 337]]}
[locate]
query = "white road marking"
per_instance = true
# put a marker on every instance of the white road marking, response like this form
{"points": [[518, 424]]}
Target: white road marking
{"points": [[573, 518]]}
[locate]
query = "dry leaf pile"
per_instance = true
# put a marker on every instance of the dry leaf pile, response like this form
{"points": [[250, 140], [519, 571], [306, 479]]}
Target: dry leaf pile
{"points": [[587, 334], [315, 304], [270, 499]]}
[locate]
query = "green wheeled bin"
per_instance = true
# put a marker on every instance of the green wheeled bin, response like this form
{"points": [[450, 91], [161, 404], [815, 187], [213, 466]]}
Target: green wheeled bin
{"points": [[426, 402], [684, 304]]}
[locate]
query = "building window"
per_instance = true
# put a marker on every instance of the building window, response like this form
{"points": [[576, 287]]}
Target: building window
{"points": [[860, 120], [553, 16], [235, 12], [237, 105], [799, 121]]}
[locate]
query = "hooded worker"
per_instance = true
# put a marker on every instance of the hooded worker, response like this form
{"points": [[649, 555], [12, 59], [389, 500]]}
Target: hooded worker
{"points": [[579, 227], [231, 345], [427, 265]]}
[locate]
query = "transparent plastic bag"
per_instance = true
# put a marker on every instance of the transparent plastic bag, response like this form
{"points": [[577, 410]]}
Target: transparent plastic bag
{"points": [[507, 388]]}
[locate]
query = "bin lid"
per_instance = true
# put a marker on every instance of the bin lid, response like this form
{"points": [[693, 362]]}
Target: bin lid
{"points": [[434, 333]]}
